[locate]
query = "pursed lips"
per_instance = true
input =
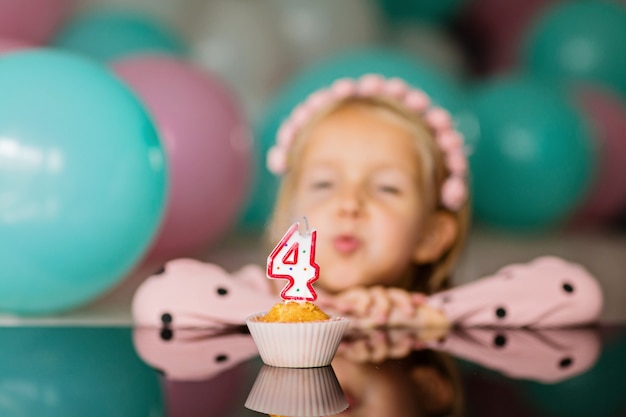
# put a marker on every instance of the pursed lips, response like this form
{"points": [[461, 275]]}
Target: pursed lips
{"points": [[346, 243]]}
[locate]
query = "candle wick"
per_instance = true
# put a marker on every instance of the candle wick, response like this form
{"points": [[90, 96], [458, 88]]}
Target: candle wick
{"points": [[306, 226]]}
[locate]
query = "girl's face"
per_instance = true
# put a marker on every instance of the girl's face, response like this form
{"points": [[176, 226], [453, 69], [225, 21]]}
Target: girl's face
{"points": [[358, 186]]}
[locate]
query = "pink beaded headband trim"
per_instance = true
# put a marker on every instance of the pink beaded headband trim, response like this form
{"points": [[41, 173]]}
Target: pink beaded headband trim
{"points": [[449, 141]]}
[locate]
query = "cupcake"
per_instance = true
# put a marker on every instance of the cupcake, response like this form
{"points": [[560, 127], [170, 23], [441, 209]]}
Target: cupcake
{"points": [[296, 333]]}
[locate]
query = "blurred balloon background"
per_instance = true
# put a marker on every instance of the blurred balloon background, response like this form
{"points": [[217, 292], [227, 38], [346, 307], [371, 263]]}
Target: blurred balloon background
{"points": [[579, 40], [33, 21], [111, 34], [208, 144], [534, 160], [536, 86], [250, 55], [606, 112], [82, 181]]}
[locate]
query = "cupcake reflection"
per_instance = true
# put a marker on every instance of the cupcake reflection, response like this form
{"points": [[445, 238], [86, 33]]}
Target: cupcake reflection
{"points": [[306, 392]]}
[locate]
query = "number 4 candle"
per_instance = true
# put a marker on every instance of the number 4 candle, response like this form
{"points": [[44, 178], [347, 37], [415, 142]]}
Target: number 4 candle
{"points": [[293, 259]]}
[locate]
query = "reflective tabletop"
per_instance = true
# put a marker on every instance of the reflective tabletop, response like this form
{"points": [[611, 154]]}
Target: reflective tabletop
{"points": [[121, 371], [92, 362]]}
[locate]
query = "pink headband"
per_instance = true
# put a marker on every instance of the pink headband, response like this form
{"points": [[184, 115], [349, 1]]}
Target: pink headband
{"points": [[449, 141]]}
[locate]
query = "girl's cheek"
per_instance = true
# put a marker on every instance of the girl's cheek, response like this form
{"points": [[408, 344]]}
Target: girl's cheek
{"points": [[313, 207], [301, 205]]}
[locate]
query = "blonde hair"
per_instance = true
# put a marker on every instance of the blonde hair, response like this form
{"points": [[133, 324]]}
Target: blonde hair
{"points": [[426, 278]]}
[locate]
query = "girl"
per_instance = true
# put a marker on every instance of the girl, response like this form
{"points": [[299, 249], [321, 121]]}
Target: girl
{"points": [[382, 176]]}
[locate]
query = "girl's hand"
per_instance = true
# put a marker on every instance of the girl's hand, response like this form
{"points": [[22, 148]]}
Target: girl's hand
{"points": [[376, 306]]}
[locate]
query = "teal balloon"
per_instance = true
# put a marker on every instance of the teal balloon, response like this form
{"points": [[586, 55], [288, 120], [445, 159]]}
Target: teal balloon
{"points": [[111, 34], [580, 40], [387, 62], [437, 11], [82, 181], [534, 159], [75, 371]]}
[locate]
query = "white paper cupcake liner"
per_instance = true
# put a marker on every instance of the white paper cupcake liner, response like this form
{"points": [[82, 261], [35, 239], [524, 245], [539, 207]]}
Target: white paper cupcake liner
{"points": [[297, 345], [297, 392]]}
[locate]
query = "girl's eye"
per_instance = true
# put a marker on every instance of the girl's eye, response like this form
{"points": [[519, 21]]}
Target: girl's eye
{"points": [[389, 189], [321, 185]]}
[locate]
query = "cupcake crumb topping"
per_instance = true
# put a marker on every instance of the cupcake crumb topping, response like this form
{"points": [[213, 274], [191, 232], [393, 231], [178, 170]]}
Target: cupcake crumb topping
{"points": [[294, 312]]}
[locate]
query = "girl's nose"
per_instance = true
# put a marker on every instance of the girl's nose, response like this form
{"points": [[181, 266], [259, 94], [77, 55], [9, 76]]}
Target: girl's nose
{"points": [[350, 202]]}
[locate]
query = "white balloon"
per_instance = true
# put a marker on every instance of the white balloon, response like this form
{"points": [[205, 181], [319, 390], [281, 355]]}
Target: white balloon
{"points": [[315, 29], [432, 44], [238, 40]]}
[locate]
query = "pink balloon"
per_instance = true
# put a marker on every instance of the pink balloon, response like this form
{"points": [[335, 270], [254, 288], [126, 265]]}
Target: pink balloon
{"points": [[208, 148], [606, 112], [32, 21]]}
